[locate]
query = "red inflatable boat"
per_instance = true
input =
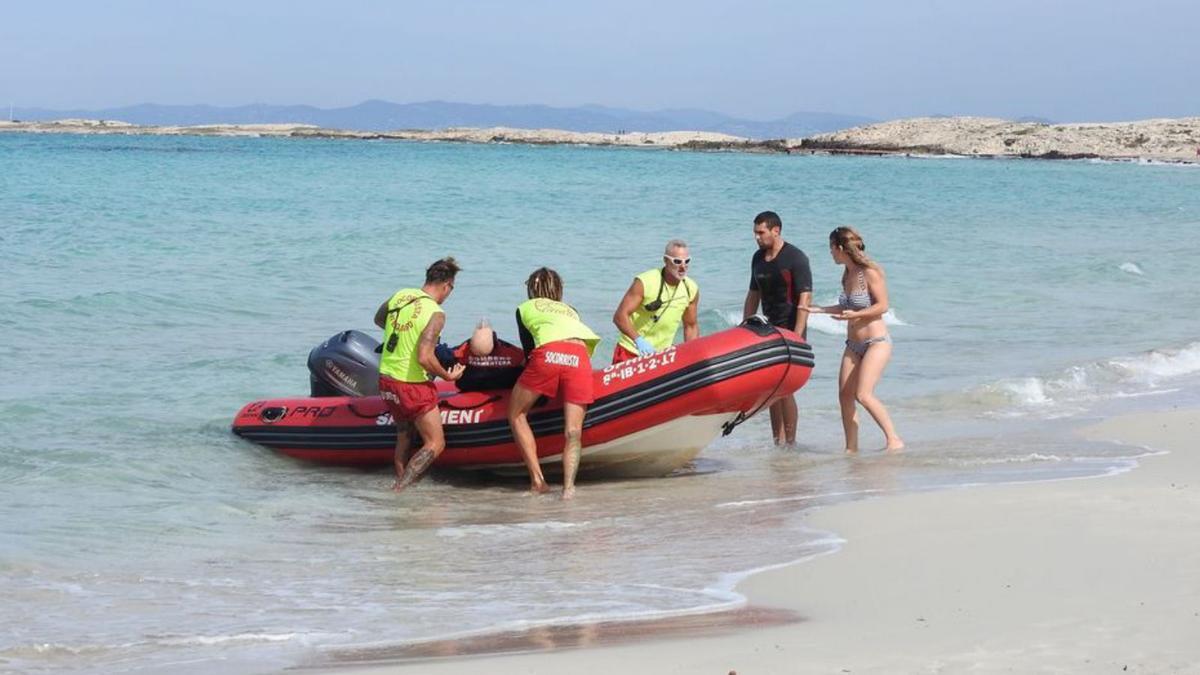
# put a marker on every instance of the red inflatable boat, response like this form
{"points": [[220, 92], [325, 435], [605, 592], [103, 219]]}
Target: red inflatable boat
{"points": [[651, 415]]}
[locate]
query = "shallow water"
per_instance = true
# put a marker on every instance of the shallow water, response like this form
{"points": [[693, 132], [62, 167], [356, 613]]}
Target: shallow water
{"points": [[154, 285]]}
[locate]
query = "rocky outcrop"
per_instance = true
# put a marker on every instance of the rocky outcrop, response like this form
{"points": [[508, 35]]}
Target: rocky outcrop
{"points": [[695, 140], [1175, 140], [1163, 139]]}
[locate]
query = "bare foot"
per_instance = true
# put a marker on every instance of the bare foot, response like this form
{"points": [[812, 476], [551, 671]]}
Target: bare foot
{"points": [[568, 493], [539, 488], [851, 451], [397, 487], [895, 445]]}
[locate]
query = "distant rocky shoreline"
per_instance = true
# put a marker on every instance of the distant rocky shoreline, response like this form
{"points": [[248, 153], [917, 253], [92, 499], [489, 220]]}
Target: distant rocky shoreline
{"points": [[698, 140], [1168, 140]]}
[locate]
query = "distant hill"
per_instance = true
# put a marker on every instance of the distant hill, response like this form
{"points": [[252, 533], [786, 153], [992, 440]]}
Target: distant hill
{"points": [[386, 116]]}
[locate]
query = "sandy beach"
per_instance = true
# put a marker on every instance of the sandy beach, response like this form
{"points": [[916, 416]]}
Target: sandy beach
{"points": [[1076, 576]]}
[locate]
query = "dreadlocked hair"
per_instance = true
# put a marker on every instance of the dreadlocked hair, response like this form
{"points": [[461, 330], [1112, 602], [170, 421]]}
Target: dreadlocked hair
{"points": [[544, 283]]}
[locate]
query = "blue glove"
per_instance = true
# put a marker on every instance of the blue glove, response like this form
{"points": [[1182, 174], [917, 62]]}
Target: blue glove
{"points": [[644, 346]]}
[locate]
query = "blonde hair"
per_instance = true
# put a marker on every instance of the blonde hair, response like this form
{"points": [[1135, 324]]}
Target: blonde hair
{"points": [[850, 242], [544, 283]]}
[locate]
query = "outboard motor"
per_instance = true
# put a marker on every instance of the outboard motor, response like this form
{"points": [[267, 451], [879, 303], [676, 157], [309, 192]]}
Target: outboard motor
{"points": [[346, 364]]}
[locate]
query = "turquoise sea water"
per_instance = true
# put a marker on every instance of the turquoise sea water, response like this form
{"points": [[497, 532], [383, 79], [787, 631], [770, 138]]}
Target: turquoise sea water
{"points": [[151, 286]]}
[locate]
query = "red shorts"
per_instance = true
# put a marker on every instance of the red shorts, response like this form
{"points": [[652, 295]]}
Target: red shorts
{"points": [[407, 400], [560, 367], [620, 355]]}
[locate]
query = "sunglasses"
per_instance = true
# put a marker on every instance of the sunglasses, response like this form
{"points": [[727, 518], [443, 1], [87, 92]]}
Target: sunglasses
{"points": [[678, 261]]}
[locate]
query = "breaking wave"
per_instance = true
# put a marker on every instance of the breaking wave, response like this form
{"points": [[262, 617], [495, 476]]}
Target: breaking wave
{"points": [[1064, 392]]}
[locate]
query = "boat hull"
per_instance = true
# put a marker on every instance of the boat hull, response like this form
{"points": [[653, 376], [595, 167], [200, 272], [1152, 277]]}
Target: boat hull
{"points": [[651, 415]]}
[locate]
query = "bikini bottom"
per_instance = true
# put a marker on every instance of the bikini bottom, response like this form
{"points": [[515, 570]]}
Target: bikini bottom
{"points": [[860, 348]]}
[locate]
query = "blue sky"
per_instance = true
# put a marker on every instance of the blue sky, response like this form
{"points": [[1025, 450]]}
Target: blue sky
{"points": [[1067, 60]]}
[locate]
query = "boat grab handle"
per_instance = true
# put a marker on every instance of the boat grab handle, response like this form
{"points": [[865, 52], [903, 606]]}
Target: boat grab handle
{"points": [[732, 424], [378, 410], [490, 399]]}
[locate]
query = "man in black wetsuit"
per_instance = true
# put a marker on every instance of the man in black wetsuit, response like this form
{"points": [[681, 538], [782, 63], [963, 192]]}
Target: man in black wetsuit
{"points": [[781, 280]]}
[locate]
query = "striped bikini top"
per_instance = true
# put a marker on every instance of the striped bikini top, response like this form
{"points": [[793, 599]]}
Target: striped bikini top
{"points": [[859, 298]]}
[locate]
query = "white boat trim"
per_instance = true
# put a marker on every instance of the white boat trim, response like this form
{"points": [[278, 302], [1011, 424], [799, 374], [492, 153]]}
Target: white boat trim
{"points": [[651, 452]]}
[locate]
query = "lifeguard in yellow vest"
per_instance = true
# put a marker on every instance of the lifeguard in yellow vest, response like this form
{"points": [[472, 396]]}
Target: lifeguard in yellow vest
{"points": [[412, 321], [657, 302], [559, 348]]}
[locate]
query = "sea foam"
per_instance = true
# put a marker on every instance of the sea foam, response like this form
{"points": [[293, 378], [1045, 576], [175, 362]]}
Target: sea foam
{"points": [[1159, 364], [1120, 377]]}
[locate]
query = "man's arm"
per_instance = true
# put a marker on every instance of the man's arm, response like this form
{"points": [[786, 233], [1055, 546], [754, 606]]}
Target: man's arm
{"points": [[427, 346], [381, 313], [629, 304], [802, 315], [802, 290], [750, 307], [691, 319]]}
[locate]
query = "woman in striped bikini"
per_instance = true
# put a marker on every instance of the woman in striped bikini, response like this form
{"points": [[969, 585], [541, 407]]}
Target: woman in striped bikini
{"points": [[862, 303]]}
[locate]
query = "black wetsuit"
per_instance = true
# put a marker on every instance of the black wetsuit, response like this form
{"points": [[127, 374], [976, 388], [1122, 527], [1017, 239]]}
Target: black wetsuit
{"points": [[780, 282]]}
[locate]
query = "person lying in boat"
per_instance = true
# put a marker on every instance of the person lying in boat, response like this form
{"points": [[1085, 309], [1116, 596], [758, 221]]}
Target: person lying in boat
{"points": [[657, 302], [489, 362], [559, 347]]}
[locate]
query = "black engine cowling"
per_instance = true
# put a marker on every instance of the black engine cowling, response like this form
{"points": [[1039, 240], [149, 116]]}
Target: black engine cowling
{"points": [[346, 364]]}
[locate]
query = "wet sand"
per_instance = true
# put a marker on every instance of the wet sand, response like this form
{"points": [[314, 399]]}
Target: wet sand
{"points": [[571, 636], [1078, 576]]}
